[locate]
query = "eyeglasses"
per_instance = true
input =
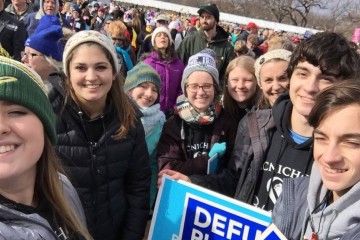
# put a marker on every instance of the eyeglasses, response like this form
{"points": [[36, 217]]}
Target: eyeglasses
{"points": [[118, 39], [30, 55], [194, 88]]}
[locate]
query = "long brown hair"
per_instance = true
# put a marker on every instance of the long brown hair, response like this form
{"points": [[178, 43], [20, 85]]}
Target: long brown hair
{"points": [[136, 21], [170, 52], [48, 183], [125, 112]]}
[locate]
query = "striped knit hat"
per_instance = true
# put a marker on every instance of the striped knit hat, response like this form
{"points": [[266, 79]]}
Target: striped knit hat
{"points": [[141, 73], [202, 61], [21, 85]]}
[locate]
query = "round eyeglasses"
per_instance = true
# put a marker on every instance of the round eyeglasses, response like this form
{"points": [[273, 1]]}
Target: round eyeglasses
{"points": [[194, 88], [30, 55]]}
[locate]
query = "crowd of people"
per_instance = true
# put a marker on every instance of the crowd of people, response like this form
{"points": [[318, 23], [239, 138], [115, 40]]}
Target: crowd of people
{"points": [[99, 101]]}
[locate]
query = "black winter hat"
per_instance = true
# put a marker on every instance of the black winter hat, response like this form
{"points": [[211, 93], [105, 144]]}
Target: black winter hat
{"points": [[210, 8]]}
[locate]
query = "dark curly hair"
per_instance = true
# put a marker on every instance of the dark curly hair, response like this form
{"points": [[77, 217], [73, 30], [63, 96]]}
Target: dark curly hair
{"points": [[329, 51]]}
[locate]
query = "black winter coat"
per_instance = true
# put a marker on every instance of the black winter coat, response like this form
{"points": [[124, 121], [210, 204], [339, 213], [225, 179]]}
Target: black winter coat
{"points": [[112, 177], [12, 35]]}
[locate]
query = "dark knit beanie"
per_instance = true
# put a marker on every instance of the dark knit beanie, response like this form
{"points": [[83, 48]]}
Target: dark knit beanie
{"points": [[141, 73], [211, 9], [21, 85]]}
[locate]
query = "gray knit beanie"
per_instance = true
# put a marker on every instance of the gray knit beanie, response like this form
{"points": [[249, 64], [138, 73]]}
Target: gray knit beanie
{"points": [[202, 61], [280, 54]]}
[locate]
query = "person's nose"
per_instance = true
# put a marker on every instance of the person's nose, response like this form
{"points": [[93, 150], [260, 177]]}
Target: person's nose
{"points": [[4, 125]]}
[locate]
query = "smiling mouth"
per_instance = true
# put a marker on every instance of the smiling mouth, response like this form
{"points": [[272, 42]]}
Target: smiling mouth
{"points": [[147, 99], [307, 99], [334, 171], [91, 86], [7, 148]]}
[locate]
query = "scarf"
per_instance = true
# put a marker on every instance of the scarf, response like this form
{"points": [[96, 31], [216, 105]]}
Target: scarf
{"points": [[125, 54], [152, 117], [189, 114]]}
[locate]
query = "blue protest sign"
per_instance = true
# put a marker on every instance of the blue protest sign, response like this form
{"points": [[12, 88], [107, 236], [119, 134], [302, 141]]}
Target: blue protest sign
{"points": [[187, 211]]}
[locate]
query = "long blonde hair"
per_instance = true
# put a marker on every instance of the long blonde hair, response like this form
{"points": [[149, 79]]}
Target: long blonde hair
{"points": [[230, 105]]}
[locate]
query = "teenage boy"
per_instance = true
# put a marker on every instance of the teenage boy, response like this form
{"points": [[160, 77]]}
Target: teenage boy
{"points": [[275, 144], [325, 205]]}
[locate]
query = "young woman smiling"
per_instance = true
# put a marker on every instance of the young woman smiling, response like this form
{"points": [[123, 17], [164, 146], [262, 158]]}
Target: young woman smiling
{"points": [[36, 200], [200, 127], [241, 92], [143, 86], [101, 138], [271, 73]]}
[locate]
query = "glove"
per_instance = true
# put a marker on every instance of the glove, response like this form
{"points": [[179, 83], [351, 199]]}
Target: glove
{"points": [[218, 148]]}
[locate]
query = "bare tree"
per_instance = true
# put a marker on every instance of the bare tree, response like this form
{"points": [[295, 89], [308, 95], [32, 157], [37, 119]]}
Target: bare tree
{"points": [[296, 11], [278, 8], [234, 6], [343, 16], [354, 15]]}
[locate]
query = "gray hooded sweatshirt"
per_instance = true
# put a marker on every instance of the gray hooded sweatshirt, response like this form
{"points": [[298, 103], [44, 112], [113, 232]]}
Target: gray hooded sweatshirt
{"points": [[31, 20], [299, 198], [18, 225]]}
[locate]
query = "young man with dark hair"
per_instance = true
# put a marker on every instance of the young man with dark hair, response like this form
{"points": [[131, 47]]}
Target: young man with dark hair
{"points": [[324, 205], [272, 145]]}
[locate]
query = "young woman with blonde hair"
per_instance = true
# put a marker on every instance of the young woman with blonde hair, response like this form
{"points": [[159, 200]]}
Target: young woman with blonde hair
{"points": [[241, 91]]}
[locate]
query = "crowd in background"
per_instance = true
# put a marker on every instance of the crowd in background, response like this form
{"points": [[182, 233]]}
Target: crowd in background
{"points": [[138, 92]]}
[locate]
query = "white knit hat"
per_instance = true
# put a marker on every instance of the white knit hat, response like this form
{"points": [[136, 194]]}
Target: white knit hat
{"points": [[281, 54], [159, 30], [89, 36]]}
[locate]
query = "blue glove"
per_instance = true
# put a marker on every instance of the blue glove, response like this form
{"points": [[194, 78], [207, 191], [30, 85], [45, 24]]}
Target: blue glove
{"points": [[218, 148]]}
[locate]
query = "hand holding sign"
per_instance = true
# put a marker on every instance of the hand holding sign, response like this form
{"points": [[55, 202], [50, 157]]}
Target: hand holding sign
{"points": [[173, 175]]}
